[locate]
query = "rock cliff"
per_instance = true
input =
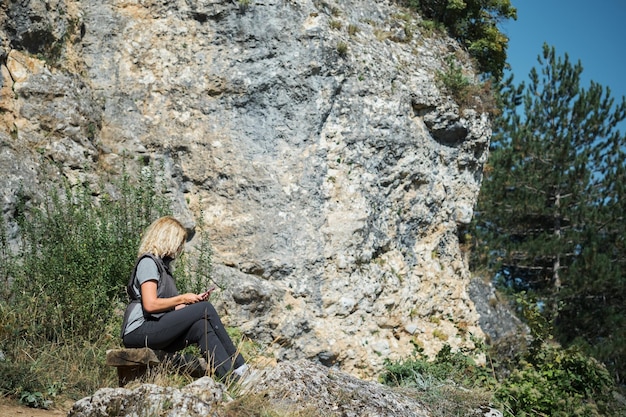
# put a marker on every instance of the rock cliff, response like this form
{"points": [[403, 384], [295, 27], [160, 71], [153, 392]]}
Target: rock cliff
{"points": [[334, 174]]}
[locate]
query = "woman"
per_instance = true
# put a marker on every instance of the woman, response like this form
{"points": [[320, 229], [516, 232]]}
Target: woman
{"points": [[159, 317]]}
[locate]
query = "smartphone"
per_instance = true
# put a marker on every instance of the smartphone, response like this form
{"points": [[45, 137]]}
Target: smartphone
{"points": [[208, 292]]}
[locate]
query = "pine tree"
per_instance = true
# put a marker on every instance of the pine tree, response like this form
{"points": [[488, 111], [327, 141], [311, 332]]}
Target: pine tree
{"points": [[592, 307], [549, 218]]}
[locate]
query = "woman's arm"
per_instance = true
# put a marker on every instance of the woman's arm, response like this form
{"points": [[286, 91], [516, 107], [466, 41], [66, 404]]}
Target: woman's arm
{"points": [[153, 304]]}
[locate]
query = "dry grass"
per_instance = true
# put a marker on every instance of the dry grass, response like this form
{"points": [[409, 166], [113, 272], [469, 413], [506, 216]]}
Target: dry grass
{"points": [[169, 374], [84, 366], [64, 372], [164, 375], [448, 400], [259, 405]]}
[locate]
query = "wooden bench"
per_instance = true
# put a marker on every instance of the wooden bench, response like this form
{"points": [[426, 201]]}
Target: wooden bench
{"points": [[132, 364]]}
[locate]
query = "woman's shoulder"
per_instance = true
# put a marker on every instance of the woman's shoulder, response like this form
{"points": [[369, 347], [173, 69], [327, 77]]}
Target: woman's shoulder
{"points": [[149, 256], [155, 258], [148, 267], [147, 259]]}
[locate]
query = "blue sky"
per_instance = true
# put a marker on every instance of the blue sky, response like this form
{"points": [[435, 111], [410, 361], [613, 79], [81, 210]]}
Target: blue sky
{"points": [[593, 32]]}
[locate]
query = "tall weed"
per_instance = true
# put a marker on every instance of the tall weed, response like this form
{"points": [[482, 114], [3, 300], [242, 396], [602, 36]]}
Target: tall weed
{"points": [[63, 281], [194, 268], [75, 255]]}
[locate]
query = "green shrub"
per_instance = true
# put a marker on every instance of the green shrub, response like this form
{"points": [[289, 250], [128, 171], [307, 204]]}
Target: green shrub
{"points": [[38, 373], [474, 23], [335, 24], [543, 380], [466, 93], [194, 269], [8, 262], [557, 382], [75, 256], [454, 81], [342, 49], [451, 384], [432, 26], [458, 367], [63, 284], [17, 378]]}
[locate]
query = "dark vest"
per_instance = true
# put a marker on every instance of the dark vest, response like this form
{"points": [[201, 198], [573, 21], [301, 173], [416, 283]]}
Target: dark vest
{"points": [[166, 288]]}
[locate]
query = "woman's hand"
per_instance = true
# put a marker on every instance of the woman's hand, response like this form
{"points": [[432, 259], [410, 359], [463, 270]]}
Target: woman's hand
{"points": [[205, 295], [153, 304], [190, 298]]}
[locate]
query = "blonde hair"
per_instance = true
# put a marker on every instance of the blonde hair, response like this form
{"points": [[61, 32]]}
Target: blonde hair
{"points": [[165, 237]]}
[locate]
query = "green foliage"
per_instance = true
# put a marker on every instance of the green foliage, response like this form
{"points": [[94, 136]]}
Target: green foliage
{"points": [[63, 284], [244, 5], [557, 382], [431, 26], [75, 257], [465, 92], [17, 378], [34, 399], [474, 23], [335, 24], [458, 367], [546, 380], [454, 81], [549, 220], [452, 384], [46, 372], [8, 262], [194, 268]]}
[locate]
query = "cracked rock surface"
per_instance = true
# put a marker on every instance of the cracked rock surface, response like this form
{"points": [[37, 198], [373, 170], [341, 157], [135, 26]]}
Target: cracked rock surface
{"points": [[333, 173]]}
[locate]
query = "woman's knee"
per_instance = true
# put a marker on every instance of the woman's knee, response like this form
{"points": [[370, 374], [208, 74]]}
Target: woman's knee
{"points": [[209, 310], [200, 310], [203, 312], [199, 329]]}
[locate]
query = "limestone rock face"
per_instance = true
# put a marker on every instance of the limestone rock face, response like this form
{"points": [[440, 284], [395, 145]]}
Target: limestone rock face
{"points": [[333, 173]]}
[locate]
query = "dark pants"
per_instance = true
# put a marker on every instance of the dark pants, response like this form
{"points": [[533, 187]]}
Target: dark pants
{"points": [[195, 324]]}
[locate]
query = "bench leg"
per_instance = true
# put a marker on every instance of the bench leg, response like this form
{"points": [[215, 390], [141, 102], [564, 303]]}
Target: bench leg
{"points": [[126, 374]]}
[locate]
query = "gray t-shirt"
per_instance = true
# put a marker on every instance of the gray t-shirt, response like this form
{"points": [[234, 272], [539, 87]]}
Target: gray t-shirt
{"points": [[146, 270]]}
